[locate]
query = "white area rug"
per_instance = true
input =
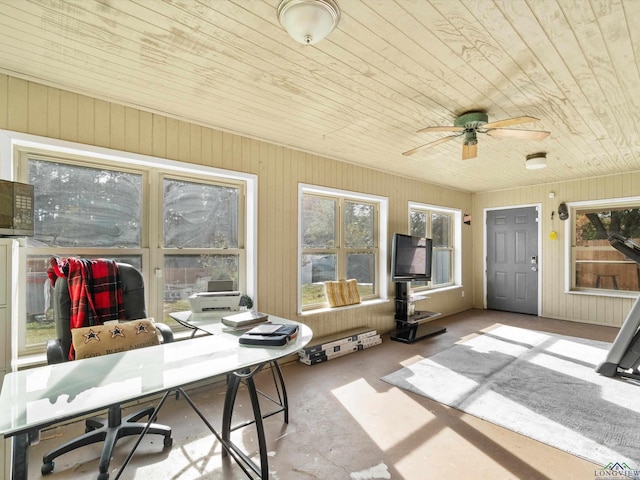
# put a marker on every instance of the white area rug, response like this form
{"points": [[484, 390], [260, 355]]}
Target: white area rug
{"points": [[537, 384]]}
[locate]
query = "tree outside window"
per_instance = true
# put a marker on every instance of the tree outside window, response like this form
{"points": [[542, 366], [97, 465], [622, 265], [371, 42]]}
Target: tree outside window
{"points": [[597, 265]]}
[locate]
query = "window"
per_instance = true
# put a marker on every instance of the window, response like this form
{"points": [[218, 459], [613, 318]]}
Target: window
{"points": [[443, 227], [596, 265], [201, 238], [180, 225], [340, 239]]}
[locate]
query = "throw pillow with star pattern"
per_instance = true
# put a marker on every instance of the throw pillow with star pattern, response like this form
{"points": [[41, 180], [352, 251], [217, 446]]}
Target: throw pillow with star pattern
{"points": [[114, 337]]}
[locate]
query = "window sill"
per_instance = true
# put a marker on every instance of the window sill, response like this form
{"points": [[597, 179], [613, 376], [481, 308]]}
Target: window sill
{"points": [[366, 303], [30, 361], [604, 293]]}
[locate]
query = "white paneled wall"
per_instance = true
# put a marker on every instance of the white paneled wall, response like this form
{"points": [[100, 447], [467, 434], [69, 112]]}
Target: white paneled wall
{"points": [[41, 110], [32, 108]]}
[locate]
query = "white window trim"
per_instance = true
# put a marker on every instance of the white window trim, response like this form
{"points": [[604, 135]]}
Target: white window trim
{"points": [[568, 235], [383, 227], [10, 141], [457, 239]]}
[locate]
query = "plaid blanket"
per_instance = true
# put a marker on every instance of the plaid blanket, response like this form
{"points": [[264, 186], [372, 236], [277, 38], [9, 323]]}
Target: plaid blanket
{"points": [[94, 289]]}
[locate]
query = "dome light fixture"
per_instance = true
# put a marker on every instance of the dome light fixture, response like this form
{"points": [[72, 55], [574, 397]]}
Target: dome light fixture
{"points": [[536, 161], [308, 21]]}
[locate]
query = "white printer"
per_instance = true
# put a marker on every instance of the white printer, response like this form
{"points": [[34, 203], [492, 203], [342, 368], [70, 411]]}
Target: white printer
{"points": [[228, 301]]}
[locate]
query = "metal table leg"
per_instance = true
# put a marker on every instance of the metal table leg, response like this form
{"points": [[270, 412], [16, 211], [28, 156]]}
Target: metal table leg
{"points": [[20, 455], [233, 383]]}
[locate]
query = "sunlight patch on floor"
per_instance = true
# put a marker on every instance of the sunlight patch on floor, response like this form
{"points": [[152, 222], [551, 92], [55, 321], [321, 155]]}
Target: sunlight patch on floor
{"points": [[411, 360], [379, 412]]}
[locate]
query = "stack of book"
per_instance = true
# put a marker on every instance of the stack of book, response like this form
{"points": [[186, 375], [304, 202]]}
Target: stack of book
{"points": [[343, 343]]}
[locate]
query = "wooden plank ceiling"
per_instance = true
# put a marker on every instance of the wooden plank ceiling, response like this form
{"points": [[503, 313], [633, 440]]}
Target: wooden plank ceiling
{"points": [[389, 69]]}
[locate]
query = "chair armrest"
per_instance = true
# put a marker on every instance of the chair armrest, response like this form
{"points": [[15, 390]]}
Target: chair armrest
{"points": [[54, 352], [165, 331]]}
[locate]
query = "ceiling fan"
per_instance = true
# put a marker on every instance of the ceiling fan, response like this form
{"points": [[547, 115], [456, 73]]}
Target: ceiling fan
{"points": [[471, 123]]}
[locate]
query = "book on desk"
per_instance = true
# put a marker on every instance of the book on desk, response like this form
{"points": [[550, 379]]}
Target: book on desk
{"points": [[245, 319]]}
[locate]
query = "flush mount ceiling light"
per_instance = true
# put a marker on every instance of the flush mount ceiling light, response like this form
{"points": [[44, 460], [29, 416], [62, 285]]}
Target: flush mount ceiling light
{"points": [[308, 21], [536, 161]]}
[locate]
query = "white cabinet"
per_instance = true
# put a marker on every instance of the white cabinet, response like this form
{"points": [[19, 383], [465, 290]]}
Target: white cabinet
{"points": [[8, 301], [8, 312]]}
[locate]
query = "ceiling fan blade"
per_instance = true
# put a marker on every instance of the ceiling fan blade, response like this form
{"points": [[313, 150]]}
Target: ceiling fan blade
{"points": [[441, 129], [469, 151], [518, 133], [429, 145], [510, 121]]}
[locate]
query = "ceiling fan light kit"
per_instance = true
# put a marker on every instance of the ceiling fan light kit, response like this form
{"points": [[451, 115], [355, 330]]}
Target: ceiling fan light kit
{"points": [[471, 123], [308, 21], [535, 161]]}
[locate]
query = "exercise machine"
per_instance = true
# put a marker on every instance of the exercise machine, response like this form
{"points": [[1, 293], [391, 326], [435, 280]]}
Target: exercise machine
{"points": [[623, 358]]}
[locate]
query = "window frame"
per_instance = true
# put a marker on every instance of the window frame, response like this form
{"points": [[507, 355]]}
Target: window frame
{"points": [[455, 242], [381, 205], [16, 147], [571, 248]]}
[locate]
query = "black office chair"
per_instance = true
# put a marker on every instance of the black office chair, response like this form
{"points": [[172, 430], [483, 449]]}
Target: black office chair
{"points": [[113, 427]]}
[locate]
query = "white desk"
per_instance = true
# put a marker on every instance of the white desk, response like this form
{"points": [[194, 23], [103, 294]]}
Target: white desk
{"points": [[33, 399], [211, 324]]}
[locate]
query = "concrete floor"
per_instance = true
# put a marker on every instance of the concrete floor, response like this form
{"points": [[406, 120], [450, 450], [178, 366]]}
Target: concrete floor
{"points": [[345, 423]]}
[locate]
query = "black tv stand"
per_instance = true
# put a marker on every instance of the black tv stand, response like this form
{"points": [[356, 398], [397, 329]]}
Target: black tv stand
{"points": [[412, 325]]}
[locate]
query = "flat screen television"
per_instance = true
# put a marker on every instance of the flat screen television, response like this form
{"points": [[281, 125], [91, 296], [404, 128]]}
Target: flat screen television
{"points": [[411, 258]]}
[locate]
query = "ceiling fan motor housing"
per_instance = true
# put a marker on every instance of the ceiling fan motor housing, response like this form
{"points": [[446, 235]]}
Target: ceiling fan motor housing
{"points": [[471, 121]]}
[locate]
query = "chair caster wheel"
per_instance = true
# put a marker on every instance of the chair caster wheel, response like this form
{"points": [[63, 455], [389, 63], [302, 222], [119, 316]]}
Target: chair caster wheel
{"points": [[103, 476], [47, 468], [168, 441]]}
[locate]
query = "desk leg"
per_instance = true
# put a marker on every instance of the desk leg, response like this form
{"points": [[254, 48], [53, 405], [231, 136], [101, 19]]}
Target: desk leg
{"points": [[285, 400], [233, 382], [20, 454], [262, 444]]}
